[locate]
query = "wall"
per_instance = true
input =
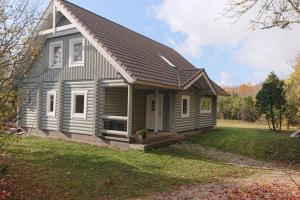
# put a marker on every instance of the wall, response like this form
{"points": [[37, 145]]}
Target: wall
{"points": [[196, 120], [82, 126], [48, 123], [96, 66], [27, 110]]}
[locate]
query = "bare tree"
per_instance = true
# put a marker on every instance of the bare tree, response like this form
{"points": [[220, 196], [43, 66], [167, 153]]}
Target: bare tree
{"points": [[18, 47], [270, 13]]}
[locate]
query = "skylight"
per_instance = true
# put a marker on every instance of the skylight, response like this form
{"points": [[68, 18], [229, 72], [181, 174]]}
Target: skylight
{"points": [[167, 61]]}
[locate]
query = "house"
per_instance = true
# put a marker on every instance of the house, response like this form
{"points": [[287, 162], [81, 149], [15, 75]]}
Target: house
{"points": [[97, 81]]}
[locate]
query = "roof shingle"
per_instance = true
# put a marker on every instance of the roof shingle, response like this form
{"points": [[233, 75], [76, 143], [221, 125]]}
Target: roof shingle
{"points": [[138, 55]]}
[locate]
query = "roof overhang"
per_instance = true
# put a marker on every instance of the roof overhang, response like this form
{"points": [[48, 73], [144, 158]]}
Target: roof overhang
{"points": [[195, 79]]}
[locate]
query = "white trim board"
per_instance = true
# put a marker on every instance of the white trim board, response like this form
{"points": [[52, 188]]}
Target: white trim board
{"points": [[72, 42], [49, 113], [79, 115]]}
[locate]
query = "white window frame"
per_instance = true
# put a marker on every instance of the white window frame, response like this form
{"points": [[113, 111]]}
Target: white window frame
{"points": [[188, 98], [209, 110], [78, 115], [49, 94], [52, 45], [167, 61], [71, 52]]}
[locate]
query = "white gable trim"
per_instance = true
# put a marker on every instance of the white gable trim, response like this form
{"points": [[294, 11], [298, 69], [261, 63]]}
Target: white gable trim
{"points": [[204, 75], [93, 41]]}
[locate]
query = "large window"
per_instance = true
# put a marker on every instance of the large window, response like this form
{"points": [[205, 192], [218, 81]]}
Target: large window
{"points": [[205, 105], [51, 103], [56, 54], [185, 106], [79, 102], [76, 50]]}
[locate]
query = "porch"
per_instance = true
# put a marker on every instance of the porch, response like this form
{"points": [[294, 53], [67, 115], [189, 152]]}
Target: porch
{"points": [[126, 109]]}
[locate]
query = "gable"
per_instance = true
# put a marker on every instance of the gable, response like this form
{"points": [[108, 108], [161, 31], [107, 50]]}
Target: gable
{"points": [[63, 21], [96, 66]]}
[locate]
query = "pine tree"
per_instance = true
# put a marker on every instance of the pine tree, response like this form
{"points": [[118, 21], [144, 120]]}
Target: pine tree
{"points": [[271, 101]]}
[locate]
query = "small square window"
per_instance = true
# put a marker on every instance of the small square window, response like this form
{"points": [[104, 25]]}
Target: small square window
{"points": [[51, 103], [205, 105], [79, 103], [55, 55], [76, 50], [185, 107]]}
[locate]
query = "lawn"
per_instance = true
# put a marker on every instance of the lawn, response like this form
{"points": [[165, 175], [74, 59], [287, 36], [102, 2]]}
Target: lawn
{"points": [[56, 169], [253, 140]]}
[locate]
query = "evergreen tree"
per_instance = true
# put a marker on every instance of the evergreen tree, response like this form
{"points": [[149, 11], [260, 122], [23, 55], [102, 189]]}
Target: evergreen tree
{"points": [[271, 101]]}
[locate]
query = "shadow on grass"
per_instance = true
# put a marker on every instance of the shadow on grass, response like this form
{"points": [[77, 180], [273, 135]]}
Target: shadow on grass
{"points": [[75, 171]]}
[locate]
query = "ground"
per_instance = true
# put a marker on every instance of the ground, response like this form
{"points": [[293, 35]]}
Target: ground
{"points": [[199, 168]]}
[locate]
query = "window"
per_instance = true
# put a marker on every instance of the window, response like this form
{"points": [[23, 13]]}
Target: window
{"points": [[79, 102], [167, 61], [205, 105], [185, 106], [51, 103], [56, 54], [76, 50]]}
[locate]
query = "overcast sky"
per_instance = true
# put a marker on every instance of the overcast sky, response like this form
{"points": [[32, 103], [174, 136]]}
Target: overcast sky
{"points": [[231, 54]]}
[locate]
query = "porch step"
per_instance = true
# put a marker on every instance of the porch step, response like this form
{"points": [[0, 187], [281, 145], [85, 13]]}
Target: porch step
{"points": [[157, 144], [157, 138]]}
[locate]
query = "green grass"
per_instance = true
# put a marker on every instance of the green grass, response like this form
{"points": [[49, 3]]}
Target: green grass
{"points": [[253, 140], [55, 169]]}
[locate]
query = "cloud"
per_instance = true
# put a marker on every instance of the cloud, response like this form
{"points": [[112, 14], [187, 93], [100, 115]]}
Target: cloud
{"points": [[226, 79], [261, 50]]}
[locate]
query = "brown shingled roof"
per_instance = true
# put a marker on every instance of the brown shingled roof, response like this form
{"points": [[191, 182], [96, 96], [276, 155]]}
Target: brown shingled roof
{"points": [[138, 55]]}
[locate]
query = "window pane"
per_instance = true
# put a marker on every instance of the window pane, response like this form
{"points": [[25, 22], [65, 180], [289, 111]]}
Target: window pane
{"points": [[51, 109], [184, 106], [152, 105], [79, 104], [57, 55], [205, 104], [77, 52]]}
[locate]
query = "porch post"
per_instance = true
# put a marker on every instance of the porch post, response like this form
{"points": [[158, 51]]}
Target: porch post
{"points": [[156, 111], [129, 111]]}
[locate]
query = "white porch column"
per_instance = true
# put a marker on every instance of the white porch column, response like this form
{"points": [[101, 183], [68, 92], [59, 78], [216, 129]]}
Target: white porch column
{"points": [[156, 111], [129, 111]]}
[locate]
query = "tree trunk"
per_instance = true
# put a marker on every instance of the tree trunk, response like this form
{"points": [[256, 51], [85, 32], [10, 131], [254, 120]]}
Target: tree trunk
{"points": [[272, 119], [280, 119], [268, 123]]}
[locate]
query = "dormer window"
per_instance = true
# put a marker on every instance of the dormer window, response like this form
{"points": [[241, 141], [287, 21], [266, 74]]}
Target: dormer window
{"points": [[76, 52], [167, 61], [55, 54]]}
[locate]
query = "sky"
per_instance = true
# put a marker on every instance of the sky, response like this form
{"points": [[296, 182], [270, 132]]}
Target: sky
{"points": [[231, 53]]}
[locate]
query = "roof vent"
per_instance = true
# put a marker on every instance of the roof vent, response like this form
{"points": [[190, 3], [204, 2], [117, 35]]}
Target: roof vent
{"points": [[167, 61]]}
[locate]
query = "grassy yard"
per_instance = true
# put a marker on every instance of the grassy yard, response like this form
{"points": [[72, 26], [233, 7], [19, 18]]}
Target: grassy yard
{"points": [[55, 169], [253, 140]]}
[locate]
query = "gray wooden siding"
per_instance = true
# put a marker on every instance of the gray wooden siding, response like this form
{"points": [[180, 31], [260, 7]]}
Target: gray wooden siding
{"points": [[116, 101], [196, 120], [166, 112], [28, 106], [63, 21], [207, 119], [82, 126], [49, 123], [95, 67], [139, 110], [185, 123]]}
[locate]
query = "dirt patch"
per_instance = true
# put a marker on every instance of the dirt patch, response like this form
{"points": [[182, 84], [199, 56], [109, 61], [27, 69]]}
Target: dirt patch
{"points": [[264, 185], [269, 182], [218, 155]]}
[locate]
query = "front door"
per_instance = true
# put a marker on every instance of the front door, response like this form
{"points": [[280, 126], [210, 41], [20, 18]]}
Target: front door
{"points": [[150, 111]]}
